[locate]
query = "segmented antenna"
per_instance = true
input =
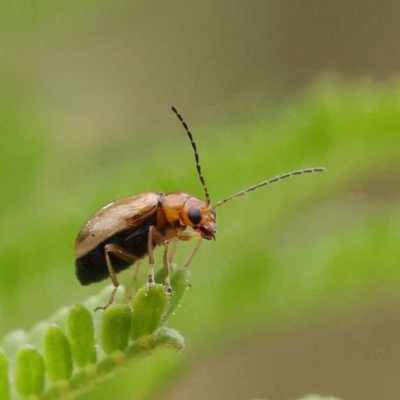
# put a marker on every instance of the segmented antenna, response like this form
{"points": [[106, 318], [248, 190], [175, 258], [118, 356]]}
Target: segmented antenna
{"points": [[269, 181], [196, 155]]}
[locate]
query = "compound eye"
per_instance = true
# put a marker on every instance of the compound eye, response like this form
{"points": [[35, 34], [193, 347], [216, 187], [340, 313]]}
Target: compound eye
{"points": [[194, 215]]}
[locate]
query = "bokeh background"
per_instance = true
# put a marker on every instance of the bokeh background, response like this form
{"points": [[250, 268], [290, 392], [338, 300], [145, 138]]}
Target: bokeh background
{"points": [[300, 292]]}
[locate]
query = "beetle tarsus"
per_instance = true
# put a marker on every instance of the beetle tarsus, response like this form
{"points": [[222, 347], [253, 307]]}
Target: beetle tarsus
{"points": [[101, 307], [150, 279], [168, 287], [110, 300]]}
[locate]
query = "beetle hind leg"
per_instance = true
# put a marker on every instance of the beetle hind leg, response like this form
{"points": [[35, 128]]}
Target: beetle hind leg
{"points": [[125, 255]]}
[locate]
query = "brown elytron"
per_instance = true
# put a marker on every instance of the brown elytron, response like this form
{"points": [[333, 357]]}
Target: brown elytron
{"points": [[127, 230]]}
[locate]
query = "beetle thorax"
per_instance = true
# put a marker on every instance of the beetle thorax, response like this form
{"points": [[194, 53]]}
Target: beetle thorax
{"points": [[175, 207], [182, 210]]}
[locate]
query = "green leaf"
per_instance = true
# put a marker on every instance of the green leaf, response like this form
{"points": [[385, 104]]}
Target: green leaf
{"points": [[80, 331], [29, 377], [79, 346], [13, 341], [136, 351], [106, 366], [4, 383], [148, 309], [80, 380], [115, 329], [179, 284], [167, 337], [60, 317], [57, 353], [36, 334]]}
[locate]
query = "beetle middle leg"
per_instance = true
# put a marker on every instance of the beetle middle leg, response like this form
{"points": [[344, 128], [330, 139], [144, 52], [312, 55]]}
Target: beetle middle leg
{"points": [[166, 266], [125, 255], [155, 237], [172, 251]]}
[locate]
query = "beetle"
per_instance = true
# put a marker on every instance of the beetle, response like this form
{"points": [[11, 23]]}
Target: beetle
{"points": [[127, 230]]}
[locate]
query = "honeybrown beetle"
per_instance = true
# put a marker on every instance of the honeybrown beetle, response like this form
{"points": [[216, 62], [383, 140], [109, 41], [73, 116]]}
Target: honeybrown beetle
{"points": [[127, 230]]}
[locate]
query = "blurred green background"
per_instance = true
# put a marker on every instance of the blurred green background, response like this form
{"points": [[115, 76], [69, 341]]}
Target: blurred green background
{"points": [[299, 293]]}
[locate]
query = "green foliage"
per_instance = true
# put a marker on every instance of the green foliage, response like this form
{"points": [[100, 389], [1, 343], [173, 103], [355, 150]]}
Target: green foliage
{"points": [[75, 344], [29, 375], [282, 253], [80, 330], [148, 298], [117, 322], [4, 382], [57, 354]]}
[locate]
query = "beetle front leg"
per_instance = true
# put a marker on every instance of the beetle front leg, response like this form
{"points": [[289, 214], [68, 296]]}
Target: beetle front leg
{"points": [[172, 250], [185, 236], [190, 236], [192, 254]]}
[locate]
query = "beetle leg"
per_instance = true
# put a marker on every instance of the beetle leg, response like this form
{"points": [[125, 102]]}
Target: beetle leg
{"points": [[136, 273], [192, 254], [150, 248], [120, 252], [155, 236], [125, 255], [168, 287], [172, 252]]}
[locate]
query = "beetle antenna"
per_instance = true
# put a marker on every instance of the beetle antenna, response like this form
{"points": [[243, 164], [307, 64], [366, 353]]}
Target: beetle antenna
{"points": [[196, 154], [269, 181]]}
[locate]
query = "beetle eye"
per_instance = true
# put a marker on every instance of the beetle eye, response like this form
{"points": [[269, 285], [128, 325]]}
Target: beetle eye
{"points": [[194, 215]]}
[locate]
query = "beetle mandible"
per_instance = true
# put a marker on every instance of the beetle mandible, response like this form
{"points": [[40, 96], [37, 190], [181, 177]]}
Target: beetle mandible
{"points": [[127, 230]]}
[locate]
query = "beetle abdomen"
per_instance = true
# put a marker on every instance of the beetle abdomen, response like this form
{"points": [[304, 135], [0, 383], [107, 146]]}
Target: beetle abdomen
{"points": [[92, 267]]}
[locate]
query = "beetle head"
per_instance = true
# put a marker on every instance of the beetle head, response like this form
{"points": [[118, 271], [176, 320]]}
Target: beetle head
{"points": [[200, 216]]}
